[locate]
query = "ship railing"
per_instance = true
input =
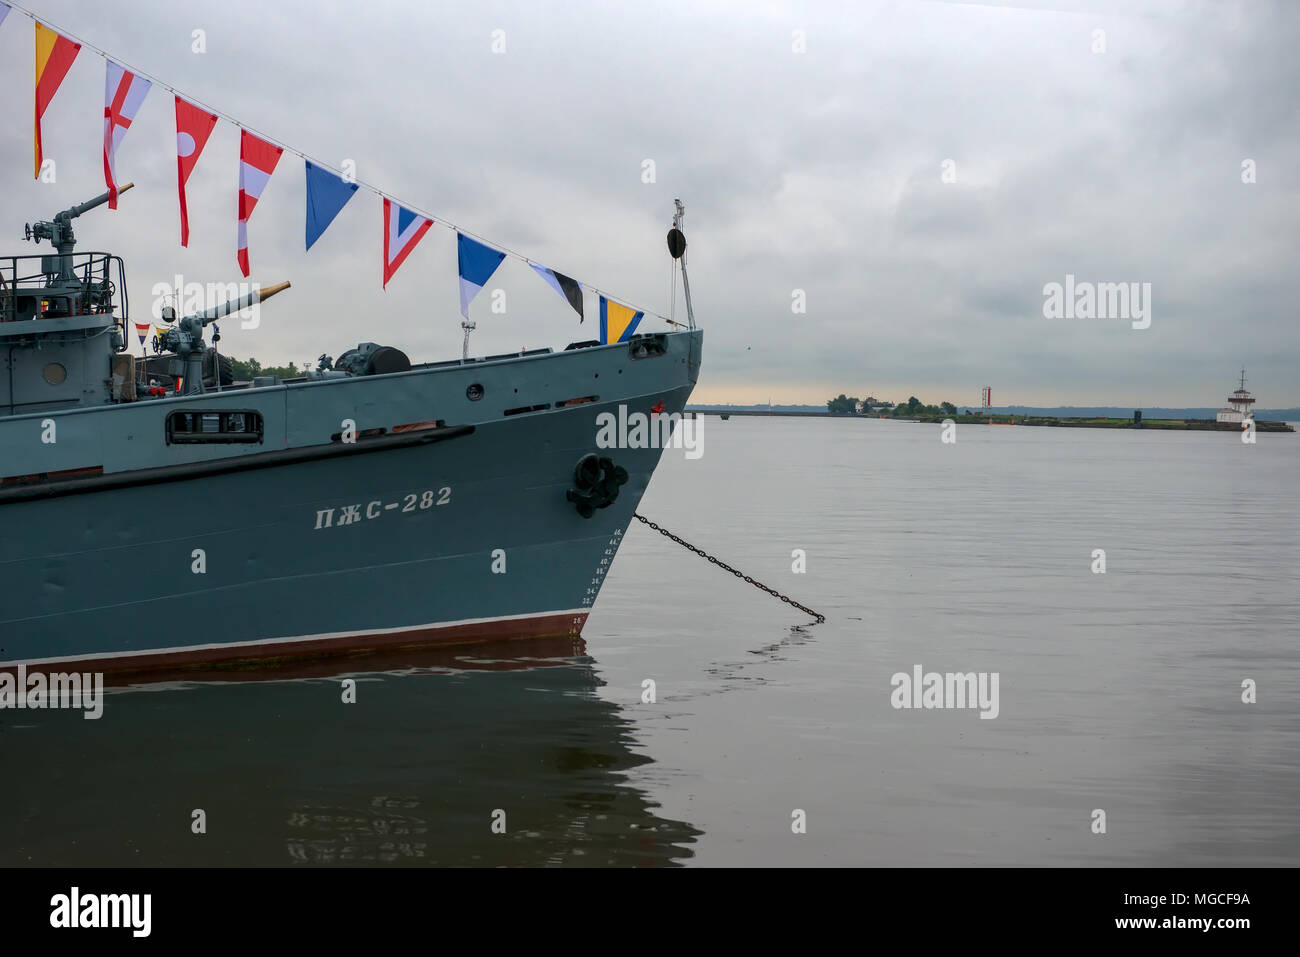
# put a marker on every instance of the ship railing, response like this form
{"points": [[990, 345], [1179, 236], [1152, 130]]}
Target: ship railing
{"points": [[34, 287]]}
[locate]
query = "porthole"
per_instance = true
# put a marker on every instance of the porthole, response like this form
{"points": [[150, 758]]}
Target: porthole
{"points": [[55, 374], [474, 392]]}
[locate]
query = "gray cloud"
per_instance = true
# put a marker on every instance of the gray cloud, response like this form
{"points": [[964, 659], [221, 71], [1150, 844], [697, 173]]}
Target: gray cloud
{"points": [[818, 171]]}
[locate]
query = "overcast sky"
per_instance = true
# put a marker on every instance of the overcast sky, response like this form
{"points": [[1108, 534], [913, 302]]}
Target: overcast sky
{"points": [[820, 171]]}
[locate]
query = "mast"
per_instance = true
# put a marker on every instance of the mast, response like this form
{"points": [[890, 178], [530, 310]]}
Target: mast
{"points": [[468, 327], [686, 285]]}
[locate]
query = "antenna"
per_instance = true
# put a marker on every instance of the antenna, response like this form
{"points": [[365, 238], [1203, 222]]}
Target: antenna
{"points": [[677, 249]]}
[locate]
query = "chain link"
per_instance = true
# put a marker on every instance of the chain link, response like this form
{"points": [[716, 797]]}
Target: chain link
{"points": [[725, 567]]}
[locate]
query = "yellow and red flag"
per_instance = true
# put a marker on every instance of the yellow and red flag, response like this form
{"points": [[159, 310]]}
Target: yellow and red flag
{"points": [[54, 55]]}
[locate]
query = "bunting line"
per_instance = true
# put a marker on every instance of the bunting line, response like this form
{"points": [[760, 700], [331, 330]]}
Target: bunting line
{"points": [[180, 95]]}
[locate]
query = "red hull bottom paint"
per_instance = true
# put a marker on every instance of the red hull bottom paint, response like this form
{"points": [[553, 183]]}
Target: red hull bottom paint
{"points": [[563, 626], [495, 654]]}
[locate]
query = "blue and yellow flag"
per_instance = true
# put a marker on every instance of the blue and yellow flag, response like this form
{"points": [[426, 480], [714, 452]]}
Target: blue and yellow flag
{"points": [[617, 322]]}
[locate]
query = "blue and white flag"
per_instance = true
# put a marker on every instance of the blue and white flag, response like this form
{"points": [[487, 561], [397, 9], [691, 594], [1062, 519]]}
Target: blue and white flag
{"points": [[327, 194], [570, 289], [477, 264]]}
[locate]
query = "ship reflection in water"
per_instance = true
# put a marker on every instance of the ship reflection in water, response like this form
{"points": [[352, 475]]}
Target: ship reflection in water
{"points": [[415, 772]]}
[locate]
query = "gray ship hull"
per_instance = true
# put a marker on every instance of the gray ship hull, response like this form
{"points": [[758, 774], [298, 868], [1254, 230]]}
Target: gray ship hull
{"points": [[122, 551]]}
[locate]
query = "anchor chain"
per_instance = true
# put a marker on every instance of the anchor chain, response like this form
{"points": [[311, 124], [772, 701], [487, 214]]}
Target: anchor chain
{"points": [[725, 567]]}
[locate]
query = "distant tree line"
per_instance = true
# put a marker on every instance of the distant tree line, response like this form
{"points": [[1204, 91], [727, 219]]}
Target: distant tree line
{"points": [[248, 369], [850, 405]]}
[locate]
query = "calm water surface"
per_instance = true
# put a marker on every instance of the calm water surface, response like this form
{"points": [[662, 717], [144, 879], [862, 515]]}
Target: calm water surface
{"points": [[1119, 692]]}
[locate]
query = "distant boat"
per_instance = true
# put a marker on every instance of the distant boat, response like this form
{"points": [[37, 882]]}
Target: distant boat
{"points": [[725, 415]]}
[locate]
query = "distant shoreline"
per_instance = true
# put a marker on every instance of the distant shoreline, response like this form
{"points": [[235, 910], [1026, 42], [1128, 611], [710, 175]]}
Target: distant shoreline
{"points": [[1058, 411], [983, 418]]}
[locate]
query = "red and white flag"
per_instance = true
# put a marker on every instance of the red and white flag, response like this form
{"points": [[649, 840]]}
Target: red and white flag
{"points": [[123, 94], [193, 127], [257, 159]]}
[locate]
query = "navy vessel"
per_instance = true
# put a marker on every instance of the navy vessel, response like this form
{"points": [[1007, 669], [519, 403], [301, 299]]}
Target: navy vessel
{"points": [[154, 513]]}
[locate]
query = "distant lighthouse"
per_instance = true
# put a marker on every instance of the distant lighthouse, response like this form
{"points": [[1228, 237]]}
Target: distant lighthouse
{"points": [[1239, 404]]}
